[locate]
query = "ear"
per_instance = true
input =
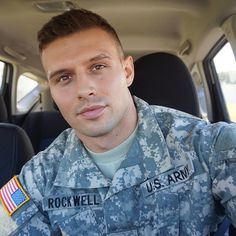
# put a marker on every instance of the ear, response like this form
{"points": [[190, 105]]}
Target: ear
{"points": [[129, 70]]}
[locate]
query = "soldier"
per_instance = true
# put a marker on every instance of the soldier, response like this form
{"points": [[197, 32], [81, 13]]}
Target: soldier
{"points": [[125, 168]]}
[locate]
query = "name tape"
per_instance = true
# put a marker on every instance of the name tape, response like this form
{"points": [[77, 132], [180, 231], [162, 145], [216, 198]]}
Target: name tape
{"points": [[71, 201], [167, 179]]}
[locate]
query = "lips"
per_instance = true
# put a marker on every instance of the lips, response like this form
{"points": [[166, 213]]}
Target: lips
{"points": [[92, 112]]}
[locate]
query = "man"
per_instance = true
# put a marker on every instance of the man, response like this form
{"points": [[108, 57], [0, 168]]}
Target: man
{"points": [[125, 168]]}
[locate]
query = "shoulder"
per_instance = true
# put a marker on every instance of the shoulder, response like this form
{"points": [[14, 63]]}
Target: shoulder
{"points": [[186, 127], [173, 115], [175, 121], [226, 139], [39, 172], [217, 139], [220, 135], [164, 116]]}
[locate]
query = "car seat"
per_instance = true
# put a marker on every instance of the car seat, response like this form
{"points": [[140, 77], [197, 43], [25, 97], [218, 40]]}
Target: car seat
{"points": [[163, 79], [15, 150], [43, 127]]}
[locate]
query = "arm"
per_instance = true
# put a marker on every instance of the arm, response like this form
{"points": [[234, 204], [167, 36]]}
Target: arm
{"points": [[26, 220], [36, 176], [217, 146], [224, 183]]}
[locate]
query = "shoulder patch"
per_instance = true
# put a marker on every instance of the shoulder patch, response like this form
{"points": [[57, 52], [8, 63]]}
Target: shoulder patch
{"points": [[13, 196]]}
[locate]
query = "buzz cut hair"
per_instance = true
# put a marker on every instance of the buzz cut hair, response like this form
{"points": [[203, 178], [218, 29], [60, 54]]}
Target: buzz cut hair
{"points": [[74, 21]]}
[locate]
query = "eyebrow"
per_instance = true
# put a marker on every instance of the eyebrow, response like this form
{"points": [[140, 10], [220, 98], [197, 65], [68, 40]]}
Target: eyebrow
{"points": [[93, 59], [57, 72], [99, 57]]}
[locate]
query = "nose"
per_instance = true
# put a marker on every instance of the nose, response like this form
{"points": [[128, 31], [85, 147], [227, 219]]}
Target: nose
{"points": [[85, 87]]}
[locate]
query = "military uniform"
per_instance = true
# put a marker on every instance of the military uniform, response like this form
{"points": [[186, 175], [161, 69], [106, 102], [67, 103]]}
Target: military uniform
{"points": [[179, 178]]}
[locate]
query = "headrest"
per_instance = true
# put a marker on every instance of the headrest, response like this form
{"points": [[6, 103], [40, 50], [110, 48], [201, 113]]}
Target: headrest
{"points": [[43, 127], [3, 110], [163, 79], [15, 150]]}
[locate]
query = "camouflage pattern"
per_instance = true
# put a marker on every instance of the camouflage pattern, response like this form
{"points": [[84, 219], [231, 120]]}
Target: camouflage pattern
{"points": [[179, 178]]}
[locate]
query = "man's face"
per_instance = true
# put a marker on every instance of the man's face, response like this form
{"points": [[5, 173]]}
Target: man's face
{"points": [[89, 82]]}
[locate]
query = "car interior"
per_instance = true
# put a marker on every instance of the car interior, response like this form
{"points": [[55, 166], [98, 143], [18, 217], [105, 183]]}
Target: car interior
{"points": [[184, 58]]}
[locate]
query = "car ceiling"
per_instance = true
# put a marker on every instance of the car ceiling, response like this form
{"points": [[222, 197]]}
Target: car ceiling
{"points": [[143, 26]]}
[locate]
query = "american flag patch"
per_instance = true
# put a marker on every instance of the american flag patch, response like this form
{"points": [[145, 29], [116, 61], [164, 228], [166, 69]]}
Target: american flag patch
{"points": [[13, 196]]}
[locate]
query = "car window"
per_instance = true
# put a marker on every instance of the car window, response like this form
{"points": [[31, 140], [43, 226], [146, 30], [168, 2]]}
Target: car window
{"points": [[225, 65], [27, 93]]}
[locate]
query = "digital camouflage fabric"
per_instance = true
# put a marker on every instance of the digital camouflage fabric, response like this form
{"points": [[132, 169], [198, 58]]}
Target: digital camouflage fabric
{"points": [[178, 178]]}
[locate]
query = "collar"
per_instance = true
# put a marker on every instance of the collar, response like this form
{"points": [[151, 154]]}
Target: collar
{"points": [[156, 157], [76, 169]]}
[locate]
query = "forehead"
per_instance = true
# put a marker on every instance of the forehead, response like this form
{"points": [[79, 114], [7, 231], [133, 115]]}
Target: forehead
{"points": [[84, 42]]}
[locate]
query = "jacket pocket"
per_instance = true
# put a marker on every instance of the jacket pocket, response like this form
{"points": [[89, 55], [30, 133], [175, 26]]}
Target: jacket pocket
{"points": [[80, 222], [159, 214]]}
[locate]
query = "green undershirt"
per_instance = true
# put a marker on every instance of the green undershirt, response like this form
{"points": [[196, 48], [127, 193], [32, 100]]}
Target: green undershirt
{"points": [[109, 162]]}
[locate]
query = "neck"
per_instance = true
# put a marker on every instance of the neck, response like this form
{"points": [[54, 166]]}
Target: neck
{"points": [[116, 136]]}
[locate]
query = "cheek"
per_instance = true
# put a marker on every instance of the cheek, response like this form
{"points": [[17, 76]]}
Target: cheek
{"points": [[115, 82], [61, 98]]}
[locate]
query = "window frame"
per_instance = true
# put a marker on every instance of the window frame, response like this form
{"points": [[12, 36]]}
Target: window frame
{"points": [[5, 90], [7, 70], [219, 108]]}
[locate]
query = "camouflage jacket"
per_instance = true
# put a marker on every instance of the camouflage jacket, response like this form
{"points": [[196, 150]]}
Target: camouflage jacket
{"points": [[179, 178]]}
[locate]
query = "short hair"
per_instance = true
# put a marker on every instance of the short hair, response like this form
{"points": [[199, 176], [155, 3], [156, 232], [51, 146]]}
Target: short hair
{"points": [[73, 21]]}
